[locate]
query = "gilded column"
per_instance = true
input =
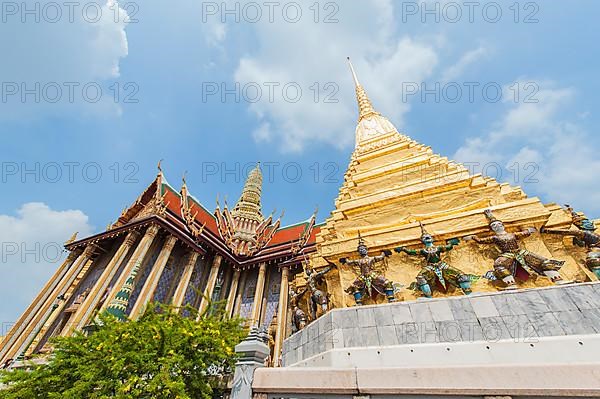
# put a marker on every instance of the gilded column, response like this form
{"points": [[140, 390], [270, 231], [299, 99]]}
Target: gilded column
{"points": [[258, 294], [281, 314], [188, 270], [232, 292], [210, 285], [147, 292], [36, 306], [90, 303], [61, 306], [49, 305]]}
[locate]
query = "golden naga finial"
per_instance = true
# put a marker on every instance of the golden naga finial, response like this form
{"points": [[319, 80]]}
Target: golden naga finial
{"points": [[183, 178], [365, 108], [72, 239], [159, 166]]}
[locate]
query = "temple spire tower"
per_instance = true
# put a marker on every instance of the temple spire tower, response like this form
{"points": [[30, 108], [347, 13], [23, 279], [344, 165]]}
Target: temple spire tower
{"points": [[248, 207], [371, 124], [244, 228]]}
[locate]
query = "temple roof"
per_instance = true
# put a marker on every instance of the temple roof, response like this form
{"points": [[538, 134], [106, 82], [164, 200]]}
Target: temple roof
{"points": [[286, 234], [191, 218]]}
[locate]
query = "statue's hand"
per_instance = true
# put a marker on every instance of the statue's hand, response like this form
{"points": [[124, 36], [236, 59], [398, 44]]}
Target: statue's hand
{"points": [[531, 230], [387, 252], [453, 241], [399, 249], [343, 261], [469, 238]]}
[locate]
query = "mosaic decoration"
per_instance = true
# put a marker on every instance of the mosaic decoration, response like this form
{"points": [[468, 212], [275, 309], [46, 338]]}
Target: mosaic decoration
{"points": [[192, 293], [142, 277], [248, 296], [272, 295], [161, 294]]}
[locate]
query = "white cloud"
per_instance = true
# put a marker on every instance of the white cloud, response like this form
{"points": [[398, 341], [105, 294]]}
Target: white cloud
{"points": [[469, 58], [30, 252], [312, 55], [61, 45], [542, 150]]}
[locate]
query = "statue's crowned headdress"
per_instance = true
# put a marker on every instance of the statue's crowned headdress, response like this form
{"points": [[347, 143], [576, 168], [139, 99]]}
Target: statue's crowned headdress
{"points": [[490, 217], [361, 242], [580, 221], [424, 231], [306, 266]]}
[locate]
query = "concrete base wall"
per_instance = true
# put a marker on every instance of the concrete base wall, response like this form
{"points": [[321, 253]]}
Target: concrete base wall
{"points": [[514, 321]]}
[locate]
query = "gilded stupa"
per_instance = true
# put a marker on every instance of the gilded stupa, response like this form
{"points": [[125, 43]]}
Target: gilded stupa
{"points": [[393, 184]]}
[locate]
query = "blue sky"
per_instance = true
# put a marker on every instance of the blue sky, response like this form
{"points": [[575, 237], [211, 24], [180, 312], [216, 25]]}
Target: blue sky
{"points": [[165, 62]]}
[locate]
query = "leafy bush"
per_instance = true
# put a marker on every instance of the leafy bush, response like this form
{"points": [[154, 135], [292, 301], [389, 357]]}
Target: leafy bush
{"points": [[160, 355]]}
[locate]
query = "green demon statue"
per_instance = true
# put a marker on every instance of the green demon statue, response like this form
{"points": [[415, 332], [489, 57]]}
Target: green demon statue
{"points": [[437, 273]]}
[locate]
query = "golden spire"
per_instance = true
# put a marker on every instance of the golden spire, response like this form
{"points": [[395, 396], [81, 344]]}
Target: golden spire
{"points": [[248, 206], [365, 108]]}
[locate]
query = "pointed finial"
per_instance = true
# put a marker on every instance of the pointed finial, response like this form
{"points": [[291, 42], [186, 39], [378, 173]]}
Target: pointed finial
{"points": [[159, 166], [356, 83], [73, 238], [183, 178], [365, 108]]}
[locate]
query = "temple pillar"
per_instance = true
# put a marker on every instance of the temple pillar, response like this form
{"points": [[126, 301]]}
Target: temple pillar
{"points": [[61, 307], [90, 303], [50, 305], [147, 292], [22, 322], [258, 294], [281, 315], [188, 270], [232, 292], [210, 285]]}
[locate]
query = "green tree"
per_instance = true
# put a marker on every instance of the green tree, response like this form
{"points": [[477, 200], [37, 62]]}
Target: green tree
{"points": [[160, 355]]}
